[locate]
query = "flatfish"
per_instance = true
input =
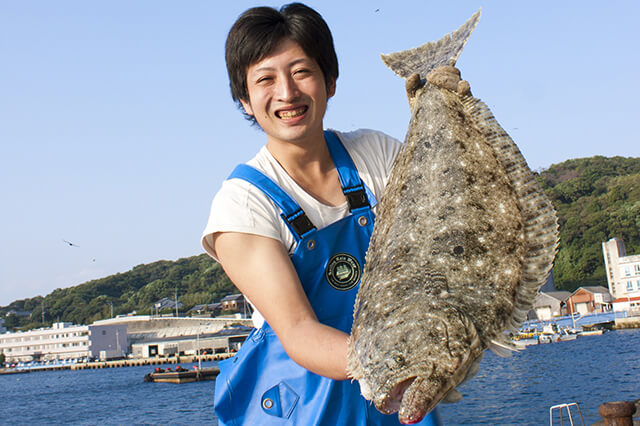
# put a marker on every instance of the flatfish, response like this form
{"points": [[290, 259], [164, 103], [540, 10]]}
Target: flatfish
{"points": [[463, 240]]}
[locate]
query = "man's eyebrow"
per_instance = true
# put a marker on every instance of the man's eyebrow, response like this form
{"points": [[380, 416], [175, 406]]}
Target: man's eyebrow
{"points": [[291, 64]]}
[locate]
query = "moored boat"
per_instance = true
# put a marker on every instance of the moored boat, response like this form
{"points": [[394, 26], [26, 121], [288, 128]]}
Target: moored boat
{"points": [[182, 375]]}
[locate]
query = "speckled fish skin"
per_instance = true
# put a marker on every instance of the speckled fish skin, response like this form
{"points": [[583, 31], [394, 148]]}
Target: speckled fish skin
{"points": [[463, 240]]}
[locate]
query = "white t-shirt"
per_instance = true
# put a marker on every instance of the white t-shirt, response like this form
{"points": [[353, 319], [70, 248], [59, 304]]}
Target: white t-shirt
{"points": [[241, 207]]}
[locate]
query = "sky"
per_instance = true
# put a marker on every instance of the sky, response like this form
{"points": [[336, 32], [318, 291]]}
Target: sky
{"points": [[117, 126]]}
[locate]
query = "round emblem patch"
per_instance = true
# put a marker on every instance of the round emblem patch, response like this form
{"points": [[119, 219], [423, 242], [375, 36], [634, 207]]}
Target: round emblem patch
{"points": [[343, 271]]}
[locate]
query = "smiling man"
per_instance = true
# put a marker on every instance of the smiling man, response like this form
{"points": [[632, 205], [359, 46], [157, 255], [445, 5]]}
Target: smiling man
{"points": [[292, 226]]}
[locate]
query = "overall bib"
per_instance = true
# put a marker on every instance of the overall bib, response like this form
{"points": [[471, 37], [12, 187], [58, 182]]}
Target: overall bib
{"points": [[261, 385]]}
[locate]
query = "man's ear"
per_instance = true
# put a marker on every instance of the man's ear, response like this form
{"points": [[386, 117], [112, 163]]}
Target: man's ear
{"points": [[331, 88], [247, 107]]}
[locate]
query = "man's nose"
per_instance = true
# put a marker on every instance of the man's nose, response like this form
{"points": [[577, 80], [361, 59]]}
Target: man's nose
{"points": [[287, 88]]}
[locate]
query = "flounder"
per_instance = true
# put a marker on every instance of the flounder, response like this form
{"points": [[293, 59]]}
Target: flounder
{"points": [[464, 238]]}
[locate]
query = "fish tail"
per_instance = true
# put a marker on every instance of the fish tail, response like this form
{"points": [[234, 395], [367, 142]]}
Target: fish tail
{"points": [[425, 58]]}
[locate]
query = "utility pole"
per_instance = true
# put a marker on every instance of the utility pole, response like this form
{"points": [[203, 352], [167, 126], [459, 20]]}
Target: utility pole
{"points": [[176, 302]]}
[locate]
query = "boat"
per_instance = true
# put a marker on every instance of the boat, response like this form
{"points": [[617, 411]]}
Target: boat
{"points": [[13, 371], [182, 375], [595, 332]]}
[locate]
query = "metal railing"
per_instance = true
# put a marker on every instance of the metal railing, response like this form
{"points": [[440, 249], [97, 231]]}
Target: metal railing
{"points": [[559, 407]]}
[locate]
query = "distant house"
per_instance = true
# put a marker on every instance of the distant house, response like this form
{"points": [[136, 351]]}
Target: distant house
{"points": [[586, 300], [166, 303], [550, 304], [235, 303], [18, 313], [211, 310], [629, 304]]}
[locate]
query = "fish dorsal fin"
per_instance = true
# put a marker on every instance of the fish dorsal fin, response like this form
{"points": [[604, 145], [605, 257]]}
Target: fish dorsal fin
{"points": [[423, 59], [540, 220]]}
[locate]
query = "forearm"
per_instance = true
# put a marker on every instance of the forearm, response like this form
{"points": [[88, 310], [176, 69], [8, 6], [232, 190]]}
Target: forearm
{"points": [[318, 348]]}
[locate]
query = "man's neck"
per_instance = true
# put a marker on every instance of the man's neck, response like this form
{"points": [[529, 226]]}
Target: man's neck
{"points": [[310, 165]]}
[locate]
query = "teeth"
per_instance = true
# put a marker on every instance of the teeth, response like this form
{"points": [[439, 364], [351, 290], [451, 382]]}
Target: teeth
{"points": [[292, 113]]}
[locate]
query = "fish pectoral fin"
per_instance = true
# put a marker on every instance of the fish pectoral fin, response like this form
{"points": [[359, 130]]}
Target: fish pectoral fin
{"points": [[452, 396], [501, 347]]}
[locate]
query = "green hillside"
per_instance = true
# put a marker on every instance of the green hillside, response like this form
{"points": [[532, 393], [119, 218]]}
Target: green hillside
{"points": [[197, 279], [596, 198]]}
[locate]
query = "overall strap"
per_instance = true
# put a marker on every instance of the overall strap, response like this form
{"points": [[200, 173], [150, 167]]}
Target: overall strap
{"points": [[292, 213], [358, 194]]}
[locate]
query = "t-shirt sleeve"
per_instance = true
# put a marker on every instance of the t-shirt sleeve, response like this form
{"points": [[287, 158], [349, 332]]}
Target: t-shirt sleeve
{"points": [[240, 207]]}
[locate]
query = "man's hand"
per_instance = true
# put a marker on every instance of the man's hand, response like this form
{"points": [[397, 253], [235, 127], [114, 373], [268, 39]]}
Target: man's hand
{"points": [[448, 77]]}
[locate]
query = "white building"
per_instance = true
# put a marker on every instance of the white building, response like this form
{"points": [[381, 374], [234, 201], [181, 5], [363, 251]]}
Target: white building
{"points": [[623, 272], [65, 341]]}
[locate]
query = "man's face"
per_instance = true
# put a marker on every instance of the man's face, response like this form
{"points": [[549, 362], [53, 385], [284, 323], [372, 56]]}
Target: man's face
{"points": [[287, 94]]}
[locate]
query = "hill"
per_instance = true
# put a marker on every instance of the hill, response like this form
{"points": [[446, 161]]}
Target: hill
{"points": [[596, 199], [197, 280]]}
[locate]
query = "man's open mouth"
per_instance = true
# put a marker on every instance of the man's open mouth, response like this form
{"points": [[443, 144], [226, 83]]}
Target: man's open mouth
{"points": [[287, 114]]}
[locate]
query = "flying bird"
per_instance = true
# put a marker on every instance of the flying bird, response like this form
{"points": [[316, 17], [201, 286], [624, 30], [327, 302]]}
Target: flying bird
{"points": [[70, 243]]}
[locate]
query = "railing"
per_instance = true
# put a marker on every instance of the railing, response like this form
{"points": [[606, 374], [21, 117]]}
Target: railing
{"points": [[559, 407]]}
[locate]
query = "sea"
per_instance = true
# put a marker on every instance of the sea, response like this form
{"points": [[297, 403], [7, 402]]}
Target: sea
{"points": [[518, 390]]}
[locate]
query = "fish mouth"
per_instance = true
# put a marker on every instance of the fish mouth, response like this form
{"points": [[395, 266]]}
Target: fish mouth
{"points": [[396, 390], [403, 398], [291, 113], [393, 400]]}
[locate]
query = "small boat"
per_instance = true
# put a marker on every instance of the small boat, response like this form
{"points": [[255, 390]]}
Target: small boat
{"points": [[182, 375], [12, 371], [595, 332]]}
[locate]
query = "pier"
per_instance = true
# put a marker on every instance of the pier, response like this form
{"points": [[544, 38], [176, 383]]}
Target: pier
{"points": [[129, 362], [138, 362]]}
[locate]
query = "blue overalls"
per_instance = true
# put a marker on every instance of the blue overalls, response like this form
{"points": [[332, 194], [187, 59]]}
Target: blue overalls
{"points": [[261, 385]]}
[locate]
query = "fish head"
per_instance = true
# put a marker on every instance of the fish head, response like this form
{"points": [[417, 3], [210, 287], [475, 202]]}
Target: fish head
{"points": [[411, 365]]}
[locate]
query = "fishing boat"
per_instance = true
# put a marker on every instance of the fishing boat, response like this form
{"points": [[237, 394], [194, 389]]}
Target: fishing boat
{"points": [[182, 375]]}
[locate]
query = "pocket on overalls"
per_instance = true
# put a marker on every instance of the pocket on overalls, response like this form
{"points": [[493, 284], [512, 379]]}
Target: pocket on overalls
{"points": [[236, 381]]}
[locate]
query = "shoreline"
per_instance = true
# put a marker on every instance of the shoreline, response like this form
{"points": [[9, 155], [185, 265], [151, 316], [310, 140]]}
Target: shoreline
{"points": [[132, 362]]}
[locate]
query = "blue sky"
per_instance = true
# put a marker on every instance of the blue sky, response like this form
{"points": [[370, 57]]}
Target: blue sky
{"points": [[117, 128]]}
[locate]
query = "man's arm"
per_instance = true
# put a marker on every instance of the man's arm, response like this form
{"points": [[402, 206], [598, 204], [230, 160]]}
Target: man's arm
{"points": [[261, 269]]}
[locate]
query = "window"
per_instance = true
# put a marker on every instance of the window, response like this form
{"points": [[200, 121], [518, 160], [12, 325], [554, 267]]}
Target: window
{"points": [[627, 271], [636, 268], [629, 285]]}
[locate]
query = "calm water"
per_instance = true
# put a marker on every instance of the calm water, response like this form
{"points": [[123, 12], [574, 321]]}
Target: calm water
{"points": [[517, 390]]}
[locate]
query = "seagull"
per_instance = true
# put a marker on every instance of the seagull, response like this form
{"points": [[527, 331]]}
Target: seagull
{"points": [[70, 243]]}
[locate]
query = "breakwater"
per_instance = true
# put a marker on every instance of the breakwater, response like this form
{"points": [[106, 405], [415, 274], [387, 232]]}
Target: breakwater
{"points": [[129, 362]]}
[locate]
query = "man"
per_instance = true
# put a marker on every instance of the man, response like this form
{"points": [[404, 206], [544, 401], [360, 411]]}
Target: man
{"points": [[291, 227]]}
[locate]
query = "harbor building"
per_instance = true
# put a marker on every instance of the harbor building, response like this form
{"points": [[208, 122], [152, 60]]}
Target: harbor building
{"points": [[586, 300], [623, 272], [151, 336], [549, 305], [65, 341]]}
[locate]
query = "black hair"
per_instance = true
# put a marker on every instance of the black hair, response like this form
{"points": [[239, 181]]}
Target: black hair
{"points": [[257, 32]]}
